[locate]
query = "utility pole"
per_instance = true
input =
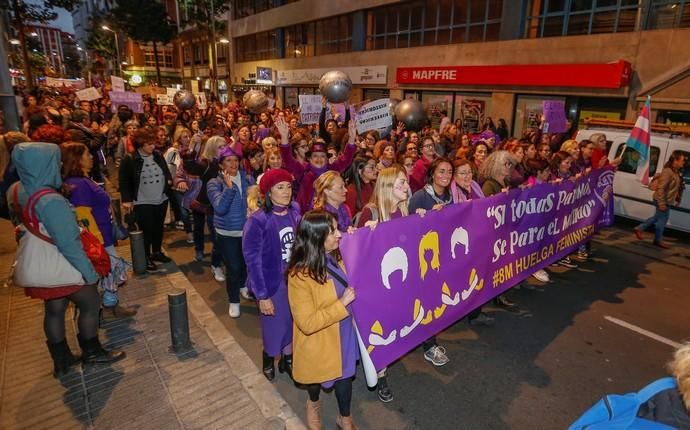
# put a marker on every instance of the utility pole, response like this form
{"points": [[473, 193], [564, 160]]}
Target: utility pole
{"points": [[214, 50], [8, 103]]}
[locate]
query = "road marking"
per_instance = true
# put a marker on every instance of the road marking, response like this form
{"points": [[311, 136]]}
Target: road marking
{"points": [[643, 332]]}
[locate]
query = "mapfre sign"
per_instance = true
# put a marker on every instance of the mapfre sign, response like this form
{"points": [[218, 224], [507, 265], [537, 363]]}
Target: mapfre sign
{"points": [[601, 75]]}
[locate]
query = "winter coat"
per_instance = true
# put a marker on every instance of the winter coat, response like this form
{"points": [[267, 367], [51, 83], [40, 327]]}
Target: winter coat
{"points": [[130, 175], [668, 188], [229, 204]]}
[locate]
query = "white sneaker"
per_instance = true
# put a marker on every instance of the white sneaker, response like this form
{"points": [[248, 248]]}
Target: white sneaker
{"points": [[245, 294], [541, 275], [190, 238], [436, 355], [234, 310], [218, 274]]}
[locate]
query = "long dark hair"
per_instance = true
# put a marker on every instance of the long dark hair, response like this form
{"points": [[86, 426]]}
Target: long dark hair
{"points": [[429, 178], [354, 176], [308, 253]]}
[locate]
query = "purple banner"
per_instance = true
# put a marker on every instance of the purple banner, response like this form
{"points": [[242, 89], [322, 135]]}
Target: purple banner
{"points": [[554, 116], [131, 100], [416, 275]]}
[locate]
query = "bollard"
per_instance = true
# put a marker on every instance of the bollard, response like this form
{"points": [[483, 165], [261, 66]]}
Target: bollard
{"points": [[136, 243], [179, 321]]}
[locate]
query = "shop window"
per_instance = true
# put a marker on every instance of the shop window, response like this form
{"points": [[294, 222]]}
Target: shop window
{"points": [[164, 58], [433, 22], [528, 112], [547, 18], [470, 111]]}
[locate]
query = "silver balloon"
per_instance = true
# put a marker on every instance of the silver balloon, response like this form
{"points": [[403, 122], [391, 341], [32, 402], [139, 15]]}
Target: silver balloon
{"points": [[411, 113], [184, 99], [336, 86], [392, 103], [255, 101]]}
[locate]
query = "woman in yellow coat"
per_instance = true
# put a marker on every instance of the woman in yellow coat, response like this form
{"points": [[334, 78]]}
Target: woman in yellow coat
{"points": [[324, 340]]}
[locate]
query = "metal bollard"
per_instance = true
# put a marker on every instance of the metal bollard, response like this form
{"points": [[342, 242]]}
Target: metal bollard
{"points": [[179, 321], [136, 243]]}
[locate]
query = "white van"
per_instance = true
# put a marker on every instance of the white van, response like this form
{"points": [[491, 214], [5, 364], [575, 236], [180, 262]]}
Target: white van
{"points": [[631, 198]]}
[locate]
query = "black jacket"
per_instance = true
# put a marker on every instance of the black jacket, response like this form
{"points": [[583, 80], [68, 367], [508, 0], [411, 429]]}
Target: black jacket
{"points": [[667, 408], [130, 175]]}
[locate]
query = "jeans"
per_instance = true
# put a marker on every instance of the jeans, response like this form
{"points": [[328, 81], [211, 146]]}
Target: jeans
{"points": [[659, 221], [236, 270], [200, 221], [185, 214], [150, 219]]}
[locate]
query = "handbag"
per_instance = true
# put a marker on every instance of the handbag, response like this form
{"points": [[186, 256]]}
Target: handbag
{"points": [[40, 264], [119, 231]]}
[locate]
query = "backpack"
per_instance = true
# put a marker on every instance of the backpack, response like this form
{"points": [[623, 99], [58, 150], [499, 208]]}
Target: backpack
{"points": [[616, 411], [374, 214]]}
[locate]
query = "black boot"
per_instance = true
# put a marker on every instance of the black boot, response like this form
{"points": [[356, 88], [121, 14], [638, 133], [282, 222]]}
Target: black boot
{"points": [[285, 364], [269, 367], [93, 352], [62, 358]]}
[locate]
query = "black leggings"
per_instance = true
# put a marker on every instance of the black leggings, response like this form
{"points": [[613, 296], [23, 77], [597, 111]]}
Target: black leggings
{"points": [[87, 301], [150, 219], [343, 394]]}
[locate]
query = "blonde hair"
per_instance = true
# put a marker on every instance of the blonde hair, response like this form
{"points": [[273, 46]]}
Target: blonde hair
{"points": [[268, 153], [253, 199], [212, 147], [382, 197], [680, 368], [595, 137], [569, 145], [178, 134], [323, 183], [492, 168], [269, 141]]}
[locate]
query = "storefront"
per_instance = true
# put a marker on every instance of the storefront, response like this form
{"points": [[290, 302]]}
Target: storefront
{"points": [[369, 83], [501, 99]]}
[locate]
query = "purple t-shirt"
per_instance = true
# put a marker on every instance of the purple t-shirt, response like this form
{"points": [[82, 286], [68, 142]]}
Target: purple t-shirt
{"points": [[85, 192]]}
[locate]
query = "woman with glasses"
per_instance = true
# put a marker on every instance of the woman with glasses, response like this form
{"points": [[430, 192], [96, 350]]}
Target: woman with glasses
{"points": [[361, 178]]}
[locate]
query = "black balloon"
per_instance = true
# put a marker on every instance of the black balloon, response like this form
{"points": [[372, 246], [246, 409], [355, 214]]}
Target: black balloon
{"points": [[411, 113], [255, 101], [336, 86], [184, 99]]}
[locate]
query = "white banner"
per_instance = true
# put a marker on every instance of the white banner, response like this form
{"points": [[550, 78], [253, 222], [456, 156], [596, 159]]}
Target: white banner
{"points": [[171, 92], [358, 75], [117, 83], [374, 115], [163, 100], [88, 94], [69, 83], [310, 109]]}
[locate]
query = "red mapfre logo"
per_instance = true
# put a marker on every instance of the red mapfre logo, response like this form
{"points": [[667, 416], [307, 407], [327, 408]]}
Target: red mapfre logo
{"points": [[426, 74]]}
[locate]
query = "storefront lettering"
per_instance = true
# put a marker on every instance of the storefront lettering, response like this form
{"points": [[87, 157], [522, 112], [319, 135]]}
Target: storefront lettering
{"points": [[435, 74]]}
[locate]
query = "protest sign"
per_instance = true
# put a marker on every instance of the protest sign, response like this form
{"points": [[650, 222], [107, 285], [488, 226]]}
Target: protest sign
{"points": [[118, 84], [171, 92], [310, 108], [163, 100], [415, 276], [88, 94], [554, 116], [200, 100], [131, 100], [374, 115]]}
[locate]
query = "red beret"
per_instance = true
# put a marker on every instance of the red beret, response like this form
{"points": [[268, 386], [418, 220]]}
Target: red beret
{"points": [[273, 177]]}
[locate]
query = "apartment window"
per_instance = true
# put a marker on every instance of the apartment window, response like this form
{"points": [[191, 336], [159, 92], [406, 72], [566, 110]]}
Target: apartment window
{"points": [[434, 22], [165, 58], [245, 8], [547, 18], [300, 40], [187, 55], [255, 47], [668, 14], [334, 35]]}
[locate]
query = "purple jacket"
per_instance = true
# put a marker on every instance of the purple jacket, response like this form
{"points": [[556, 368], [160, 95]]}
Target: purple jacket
{"points": [[262, 252]]}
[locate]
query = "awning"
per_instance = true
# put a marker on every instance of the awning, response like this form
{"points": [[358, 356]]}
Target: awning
{"points": [[606, 75]]}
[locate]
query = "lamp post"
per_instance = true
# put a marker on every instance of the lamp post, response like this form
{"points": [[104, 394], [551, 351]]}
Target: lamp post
{"points": [[117, 49]]}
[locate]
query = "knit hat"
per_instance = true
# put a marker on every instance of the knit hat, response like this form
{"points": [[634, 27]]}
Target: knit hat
{"points": [[272, 177], [226, 152]]}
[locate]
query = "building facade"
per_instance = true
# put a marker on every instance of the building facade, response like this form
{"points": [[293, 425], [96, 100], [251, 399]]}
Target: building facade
{"points": [[475, 58]]}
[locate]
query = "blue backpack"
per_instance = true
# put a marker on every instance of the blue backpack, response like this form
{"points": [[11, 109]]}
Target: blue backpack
{"points": [[617, 411]]}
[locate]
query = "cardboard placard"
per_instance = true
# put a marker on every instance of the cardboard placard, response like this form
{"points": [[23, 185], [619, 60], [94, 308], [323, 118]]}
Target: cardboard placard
{"points": [[374, 115], [88, 94], [310, 108]]}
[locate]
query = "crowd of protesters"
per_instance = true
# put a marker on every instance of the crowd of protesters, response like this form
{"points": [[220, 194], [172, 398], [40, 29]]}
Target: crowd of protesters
{"points": [[272, 196]]}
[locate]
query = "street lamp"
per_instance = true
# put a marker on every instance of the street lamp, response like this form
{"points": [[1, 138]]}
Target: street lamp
{"points": [[117, 48], [14, 41]]}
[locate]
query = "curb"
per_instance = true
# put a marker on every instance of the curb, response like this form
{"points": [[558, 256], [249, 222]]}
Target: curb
{"points": [[278, 414]]}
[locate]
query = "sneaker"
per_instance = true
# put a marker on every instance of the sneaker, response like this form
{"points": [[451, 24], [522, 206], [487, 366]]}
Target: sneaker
{"points": [[502, 302], [151, 266], [218, 274], [436, 355], [662, 245], [567, 262], [582, 256], [638, 233], [246, 294], [190, 238], [482, 320], [541, 275], [234, 310], [160, 258], [384, 391], [199, 256], [179, 225]]}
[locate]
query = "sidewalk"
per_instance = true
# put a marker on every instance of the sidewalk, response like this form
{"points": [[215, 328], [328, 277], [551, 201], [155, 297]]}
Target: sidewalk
{"points": [[213, 386]]}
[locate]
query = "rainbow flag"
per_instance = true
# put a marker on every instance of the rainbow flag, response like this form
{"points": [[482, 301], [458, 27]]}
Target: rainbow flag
{"points": [[639, 140]]}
